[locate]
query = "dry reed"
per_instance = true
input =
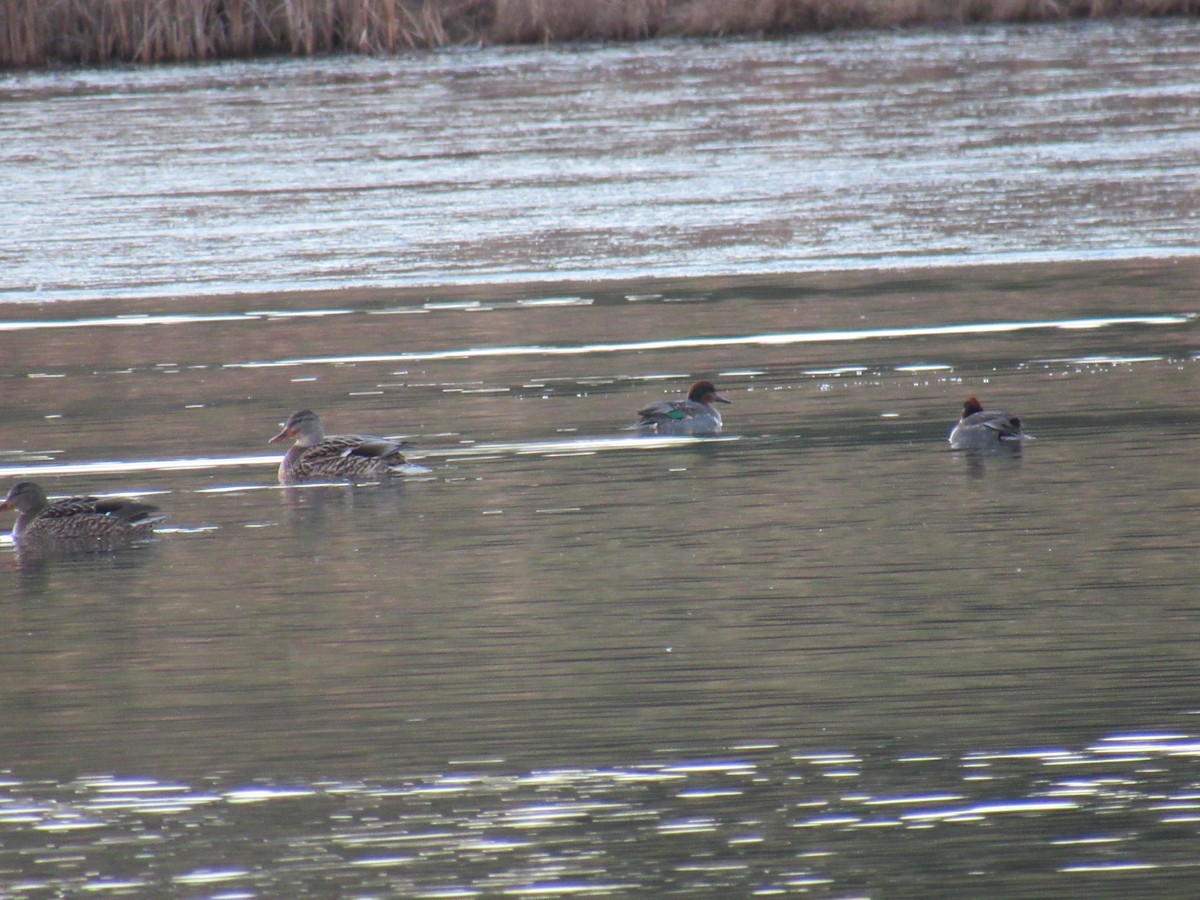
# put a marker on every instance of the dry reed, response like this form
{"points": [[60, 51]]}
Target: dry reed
{"points": [[89, 32]]}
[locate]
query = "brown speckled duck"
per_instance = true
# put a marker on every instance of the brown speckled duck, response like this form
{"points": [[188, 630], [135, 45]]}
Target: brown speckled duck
{"points": [[317, 457], [77, 521]]}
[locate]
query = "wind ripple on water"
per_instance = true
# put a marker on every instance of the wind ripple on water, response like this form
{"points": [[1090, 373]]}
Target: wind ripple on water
{"points": [[884, 149], [758, 821]]}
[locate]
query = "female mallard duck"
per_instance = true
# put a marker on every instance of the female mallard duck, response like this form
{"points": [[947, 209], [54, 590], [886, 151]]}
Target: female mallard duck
{"points": [[315, 457], [695, 415], [75, 521], [980, 428]]}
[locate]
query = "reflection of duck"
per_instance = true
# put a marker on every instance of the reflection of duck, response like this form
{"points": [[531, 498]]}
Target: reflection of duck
{"points": [[695, 415], [315, 457], [980, 428], [77, 521]]}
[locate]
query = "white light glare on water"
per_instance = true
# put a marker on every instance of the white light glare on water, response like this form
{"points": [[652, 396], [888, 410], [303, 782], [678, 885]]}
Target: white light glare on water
{"points": [[799, 337]]}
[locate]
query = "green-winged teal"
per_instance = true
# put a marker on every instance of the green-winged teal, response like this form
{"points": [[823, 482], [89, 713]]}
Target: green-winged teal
{"points": [[695, 415], [981, 428]]}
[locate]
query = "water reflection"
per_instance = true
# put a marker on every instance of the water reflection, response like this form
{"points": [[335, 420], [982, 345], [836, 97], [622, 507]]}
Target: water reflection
{"points": [[115, 466], [43, 570], [568, 658], [758, 821], [920, 148], [821, 337]]}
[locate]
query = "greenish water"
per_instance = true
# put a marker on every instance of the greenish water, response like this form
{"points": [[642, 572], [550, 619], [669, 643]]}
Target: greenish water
{"points": [[821, 655]]}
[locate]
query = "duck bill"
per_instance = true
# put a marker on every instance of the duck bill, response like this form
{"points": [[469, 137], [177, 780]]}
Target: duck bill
{"points": [[6, 504], [719, 399], [282, 436]]}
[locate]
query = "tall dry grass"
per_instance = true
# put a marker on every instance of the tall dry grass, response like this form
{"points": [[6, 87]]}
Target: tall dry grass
{"points": [[90, 32], [40, 32]]}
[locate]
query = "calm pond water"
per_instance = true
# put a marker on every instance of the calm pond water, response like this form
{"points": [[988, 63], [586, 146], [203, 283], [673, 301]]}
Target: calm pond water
{"points": [[820, 655]]}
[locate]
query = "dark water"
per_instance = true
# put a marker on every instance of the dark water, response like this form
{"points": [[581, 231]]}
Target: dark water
{"points": [[821, 655]]}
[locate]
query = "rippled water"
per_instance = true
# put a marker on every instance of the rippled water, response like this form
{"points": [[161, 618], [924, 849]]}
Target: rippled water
{"points": [[571, 660], [822, 654], [756, 822], [691, 158]]}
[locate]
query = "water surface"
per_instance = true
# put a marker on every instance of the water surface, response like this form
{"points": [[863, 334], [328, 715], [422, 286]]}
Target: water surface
{"points": [[759, 657], [688, 158], [821, 655]]}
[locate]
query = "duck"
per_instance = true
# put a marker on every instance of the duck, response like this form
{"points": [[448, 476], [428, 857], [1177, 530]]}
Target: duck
{"points": [[319, 457], [695, 415], [74, 521], [980, 428]]}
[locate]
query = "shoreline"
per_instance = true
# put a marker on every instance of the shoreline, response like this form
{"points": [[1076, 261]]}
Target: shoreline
{"points": [[86, 33]]}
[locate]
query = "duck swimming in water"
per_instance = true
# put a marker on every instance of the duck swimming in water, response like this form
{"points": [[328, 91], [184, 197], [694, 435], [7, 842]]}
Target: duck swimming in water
{"points": [[77, 522], [317, 457], [980, 428], [695, 415]]}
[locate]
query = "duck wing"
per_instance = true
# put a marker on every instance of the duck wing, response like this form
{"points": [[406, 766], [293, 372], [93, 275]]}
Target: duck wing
{"points": [[667, 411], [72, 506], [1001, 423], [83, 517], [371, 447], [347, 446], [129, 512]]}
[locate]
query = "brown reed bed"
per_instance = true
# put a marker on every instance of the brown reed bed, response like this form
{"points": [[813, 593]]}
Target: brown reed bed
{"points": [[95, 32]]}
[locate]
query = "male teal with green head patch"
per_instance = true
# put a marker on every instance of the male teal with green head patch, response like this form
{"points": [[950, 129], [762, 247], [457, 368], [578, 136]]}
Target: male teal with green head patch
{"points": [[694, 415]]}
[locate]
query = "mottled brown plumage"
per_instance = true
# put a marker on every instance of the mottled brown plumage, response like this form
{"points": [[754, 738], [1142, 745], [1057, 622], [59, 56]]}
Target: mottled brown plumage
{"points": [[77, 521], [315, 457]]}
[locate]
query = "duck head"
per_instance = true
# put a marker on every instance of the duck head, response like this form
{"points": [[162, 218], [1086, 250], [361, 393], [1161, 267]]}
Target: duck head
{"points": [[304, 426], [705, 392]]}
